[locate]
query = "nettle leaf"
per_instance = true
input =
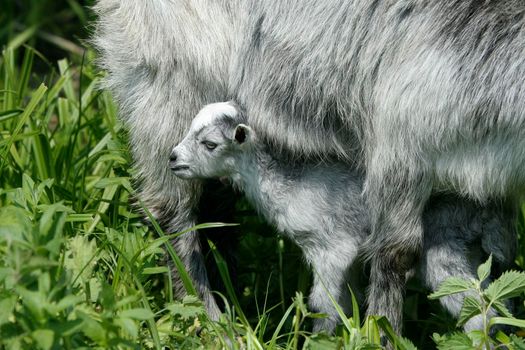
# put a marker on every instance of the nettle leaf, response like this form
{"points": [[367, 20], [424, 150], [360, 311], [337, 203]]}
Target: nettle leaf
{"points": [[471, 307], [456, 341], [185, 311], [322, 342], [405, 344], [477, 336], [451, 286], [510, 284], [127, 300], [14, 223], [190, 307], [81, 258], [518, 342], [501, 308], [484, 269]]}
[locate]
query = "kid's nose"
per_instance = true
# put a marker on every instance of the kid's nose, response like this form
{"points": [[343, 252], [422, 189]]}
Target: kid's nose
{"points": [[173, 159], [173, 156]]}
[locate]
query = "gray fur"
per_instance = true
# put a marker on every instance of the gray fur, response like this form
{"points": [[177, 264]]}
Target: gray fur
{"points": [[148, 71], [432, 92], [319, 207], [424, 96], [457, 240]]}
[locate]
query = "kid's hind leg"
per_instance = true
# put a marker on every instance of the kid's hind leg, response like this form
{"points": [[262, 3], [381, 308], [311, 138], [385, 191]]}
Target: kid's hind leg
{"points": [[331, 268]]}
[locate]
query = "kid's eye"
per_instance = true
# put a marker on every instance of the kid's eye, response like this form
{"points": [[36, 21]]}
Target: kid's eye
{"points": [[209, 145]]}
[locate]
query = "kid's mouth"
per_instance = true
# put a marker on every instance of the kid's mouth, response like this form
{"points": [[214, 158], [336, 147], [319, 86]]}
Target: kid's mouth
{"points": [[182, 171], [179, 167]]}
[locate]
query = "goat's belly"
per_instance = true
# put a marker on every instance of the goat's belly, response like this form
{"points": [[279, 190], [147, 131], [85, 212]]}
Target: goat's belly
{"points": [[493, 168]]}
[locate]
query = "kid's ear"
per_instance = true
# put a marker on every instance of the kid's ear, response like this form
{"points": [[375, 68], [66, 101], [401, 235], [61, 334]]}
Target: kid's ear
{"points": [[242, 133]]}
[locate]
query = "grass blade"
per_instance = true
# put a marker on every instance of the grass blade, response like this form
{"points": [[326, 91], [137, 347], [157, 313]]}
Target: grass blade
{"points": [[181, 269], [36, 98], [225, 275]]}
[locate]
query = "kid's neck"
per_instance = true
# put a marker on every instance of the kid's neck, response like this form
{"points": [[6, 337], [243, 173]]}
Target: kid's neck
{"points": [[260, 178]]}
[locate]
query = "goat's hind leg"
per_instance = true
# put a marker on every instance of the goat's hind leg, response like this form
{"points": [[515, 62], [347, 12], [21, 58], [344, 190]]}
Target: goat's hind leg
{"points": [[445, 255], [175, 212], [459, 235], [396, 195]]}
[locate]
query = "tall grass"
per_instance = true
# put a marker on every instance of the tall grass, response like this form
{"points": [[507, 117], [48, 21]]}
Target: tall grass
{"points": [[70, 245], [78, 267]]}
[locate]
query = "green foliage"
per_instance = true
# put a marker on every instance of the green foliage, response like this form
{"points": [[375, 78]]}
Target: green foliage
{"points": [[510, 284], [72, 253], [451, 286], [480, 301]]}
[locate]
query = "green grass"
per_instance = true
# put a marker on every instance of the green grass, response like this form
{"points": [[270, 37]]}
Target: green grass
{"points": [[79, 269]]}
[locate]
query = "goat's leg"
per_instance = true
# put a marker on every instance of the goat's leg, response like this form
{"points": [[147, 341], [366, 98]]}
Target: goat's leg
{"points": [[459, 235], [331, 268], [175, 211], [396, 196]]}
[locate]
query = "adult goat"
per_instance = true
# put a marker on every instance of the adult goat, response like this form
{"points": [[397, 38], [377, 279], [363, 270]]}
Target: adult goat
{"points": [[424, 96]]}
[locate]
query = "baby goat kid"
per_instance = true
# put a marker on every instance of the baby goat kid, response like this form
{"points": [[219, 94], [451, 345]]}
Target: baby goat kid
{"points": [[318, 206]]}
